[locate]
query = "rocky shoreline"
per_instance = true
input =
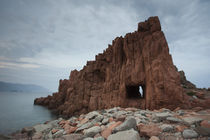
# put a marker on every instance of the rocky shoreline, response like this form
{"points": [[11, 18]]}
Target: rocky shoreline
{"points": [[124, 124]]}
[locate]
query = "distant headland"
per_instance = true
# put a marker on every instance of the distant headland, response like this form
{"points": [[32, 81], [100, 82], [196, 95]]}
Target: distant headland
{"points": [[16, 87]]}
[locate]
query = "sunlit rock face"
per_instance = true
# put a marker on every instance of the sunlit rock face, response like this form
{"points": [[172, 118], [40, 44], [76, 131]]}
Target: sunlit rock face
{"points": [[139, 60]]}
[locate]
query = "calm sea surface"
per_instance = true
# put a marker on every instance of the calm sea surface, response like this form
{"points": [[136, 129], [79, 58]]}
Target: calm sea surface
{"points": [[17, 111]]}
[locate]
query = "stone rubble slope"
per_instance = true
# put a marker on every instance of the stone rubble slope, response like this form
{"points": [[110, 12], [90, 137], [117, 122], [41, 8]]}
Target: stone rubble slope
{"points": [[125, 124]]}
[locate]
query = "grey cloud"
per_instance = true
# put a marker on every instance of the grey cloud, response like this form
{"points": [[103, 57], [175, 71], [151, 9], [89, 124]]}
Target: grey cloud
{"points": [[62, 35]]}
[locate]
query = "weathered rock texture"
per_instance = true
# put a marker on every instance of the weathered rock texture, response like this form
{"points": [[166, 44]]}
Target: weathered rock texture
{"points": [[185, 83], [141, 59]]}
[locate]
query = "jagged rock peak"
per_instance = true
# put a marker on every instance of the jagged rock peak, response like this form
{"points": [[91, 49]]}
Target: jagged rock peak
{"points": [[152, 25], [135, 71]]}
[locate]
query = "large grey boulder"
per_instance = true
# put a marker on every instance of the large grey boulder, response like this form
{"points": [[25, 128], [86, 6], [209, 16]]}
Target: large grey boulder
{"points": [[192, 120], [125, 135], [189, 134], [92, 131], [126, 125]]}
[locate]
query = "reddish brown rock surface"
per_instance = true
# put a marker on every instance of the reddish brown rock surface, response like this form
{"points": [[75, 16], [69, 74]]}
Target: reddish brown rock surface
{"points": [[141, 59]]}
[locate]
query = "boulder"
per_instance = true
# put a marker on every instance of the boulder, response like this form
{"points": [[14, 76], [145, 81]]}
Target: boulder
{"points": [[42, 127], [162, 116], [108, 131], [58, 133], [73, 137], [85, 126], [92, 115], [28, 130], [167, 128], [154, 138], [149, 130], [99, 138], [192, 120], [125, 135], [205, 123], [204, 131], [173, 120], [189, 134], [126, 125], [92, 131], [105, 121]]}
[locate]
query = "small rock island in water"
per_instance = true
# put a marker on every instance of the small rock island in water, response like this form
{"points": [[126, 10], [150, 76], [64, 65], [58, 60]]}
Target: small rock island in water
{"points": [[103, 100]]}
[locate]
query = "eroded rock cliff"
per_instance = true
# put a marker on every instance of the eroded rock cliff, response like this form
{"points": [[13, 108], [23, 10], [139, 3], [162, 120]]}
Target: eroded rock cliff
{"points": [[139, 60]]}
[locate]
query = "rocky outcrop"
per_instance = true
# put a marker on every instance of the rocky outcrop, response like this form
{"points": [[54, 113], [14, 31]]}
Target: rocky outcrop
{"points": [[139, 60], [185, 83]]}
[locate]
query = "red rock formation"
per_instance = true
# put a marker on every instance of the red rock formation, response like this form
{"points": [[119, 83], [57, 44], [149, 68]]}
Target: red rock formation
{"points": [[141, 59]]}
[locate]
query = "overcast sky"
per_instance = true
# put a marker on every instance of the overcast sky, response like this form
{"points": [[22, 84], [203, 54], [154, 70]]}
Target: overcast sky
{"points": [[41, 41]]}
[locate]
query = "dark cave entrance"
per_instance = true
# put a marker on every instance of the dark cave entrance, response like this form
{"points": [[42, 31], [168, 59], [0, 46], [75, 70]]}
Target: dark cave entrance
{"points": [[135, 91]]}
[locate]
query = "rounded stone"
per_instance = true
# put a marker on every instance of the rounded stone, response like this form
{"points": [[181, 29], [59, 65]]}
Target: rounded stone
{"points": [[189, 133]]}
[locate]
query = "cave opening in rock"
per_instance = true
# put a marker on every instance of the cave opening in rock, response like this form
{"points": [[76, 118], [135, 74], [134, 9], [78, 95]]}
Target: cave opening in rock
{"points": [[135, 91]]}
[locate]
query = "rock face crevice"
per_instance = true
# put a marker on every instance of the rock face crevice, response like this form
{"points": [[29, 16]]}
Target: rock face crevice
{"points": [[139, 58]]}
